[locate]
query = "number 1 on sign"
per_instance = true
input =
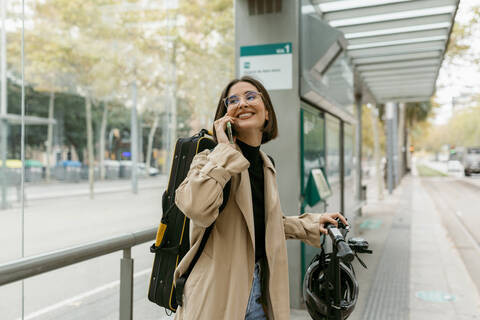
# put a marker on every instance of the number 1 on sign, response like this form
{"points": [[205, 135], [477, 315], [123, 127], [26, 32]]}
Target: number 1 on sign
{"points": [[287, 48]]}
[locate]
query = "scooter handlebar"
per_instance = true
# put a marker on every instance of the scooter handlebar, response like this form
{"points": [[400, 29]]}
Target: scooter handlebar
{"points": [[344, 252]]}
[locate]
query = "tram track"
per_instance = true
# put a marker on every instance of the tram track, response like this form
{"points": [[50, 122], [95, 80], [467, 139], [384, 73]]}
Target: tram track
{"points": [[456, 202]]}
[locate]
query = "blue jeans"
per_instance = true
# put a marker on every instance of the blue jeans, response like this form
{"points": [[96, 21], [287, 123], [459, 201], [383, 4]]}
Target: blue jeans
{"points": [[254, 307]]}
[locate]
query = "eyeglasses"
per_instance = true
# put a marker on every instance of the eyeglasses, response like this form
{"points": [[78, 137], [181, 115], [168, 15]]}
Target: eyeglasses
{"points": [[251, 98]]}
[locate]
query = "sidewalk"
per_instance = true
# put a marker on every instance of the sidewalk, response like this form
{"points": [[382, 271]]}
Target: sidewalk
{"points": [[42, 191], [415, 272]]}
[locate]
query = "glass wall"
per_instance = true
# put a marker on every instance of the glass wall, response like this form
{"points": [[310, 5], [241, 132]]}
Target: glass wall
{"points": [[313, 142], [313, 157], [333, 162], [350, 175], [108, 87]]}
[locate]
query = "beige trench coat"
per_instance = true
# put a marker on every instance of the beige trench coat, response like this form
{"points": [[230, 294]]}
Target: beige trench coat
{"points": [[219, 285]]}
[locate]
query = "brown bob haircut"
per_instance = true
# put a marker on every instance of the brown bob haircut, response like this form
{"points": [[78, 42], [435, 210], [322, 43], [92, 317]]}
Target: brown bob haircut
{"points": [[270, 130]]}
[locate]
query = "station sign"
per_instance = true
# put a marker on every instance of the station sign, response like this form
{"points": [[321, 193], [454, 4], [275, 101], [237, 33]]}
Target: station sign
{"points": [[269, 63]]}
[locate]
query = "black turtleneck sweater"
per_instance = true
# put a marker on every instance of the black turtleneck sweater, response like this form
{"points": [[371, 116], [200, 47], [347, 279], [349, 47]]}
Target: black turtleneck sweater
{"points": [[255, 171]]}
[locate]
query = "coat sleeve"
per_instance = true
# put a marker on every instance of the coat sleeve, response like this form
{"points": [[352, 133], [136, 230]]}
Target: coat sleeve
{"points": [[201, 193], [305, 227]]}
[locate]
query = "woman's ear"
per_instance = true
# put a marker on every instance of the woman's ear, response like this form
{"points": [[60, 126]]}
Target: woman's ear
{"points": [[266, 115]]}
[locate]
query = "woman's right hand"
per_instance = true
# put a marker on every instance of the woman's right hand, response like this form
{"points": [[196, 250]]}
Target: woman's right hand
{"points": [[221, 125]]}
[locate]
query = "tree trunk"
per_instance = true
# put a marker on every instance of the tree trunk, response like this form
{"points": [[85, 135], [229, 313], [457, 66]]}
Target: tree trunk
{"points": [[91, 164], [150, 142], [51, 106], [101, 153], [173, 104]]}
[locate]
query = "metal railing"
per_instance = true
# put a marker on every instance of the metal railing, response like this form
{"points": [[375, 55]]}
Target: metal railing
{"points": [[23, 268]]}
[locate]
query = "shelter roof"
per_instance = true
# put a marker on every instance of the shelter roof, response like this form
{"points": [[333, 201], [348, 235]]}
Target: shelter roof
{"points": [[396, 46]]}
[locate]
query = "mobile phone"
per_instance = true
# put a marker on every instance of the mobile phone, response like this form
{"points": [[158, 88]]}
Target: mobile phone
{"points": [[229, 132]]}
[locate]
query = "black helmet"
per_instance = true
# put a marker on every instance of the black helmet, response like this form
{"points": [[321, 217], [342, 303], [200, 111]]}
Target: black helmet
{"points": [[315, 289]]}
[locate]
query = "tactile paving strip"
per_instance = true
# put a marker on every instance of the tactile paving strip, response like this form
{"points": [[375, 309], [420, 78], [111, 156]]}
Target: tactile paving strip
{"points": [[389, 295]]}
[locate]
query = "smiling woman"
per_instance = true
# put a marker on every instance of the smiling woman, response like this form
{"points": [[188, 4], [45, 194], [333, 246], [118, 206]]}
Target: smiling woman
{"points": [[242, 272]]}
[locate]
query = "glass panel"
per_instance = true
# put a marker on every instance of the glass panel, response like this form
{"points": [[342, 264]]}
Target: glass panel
{"points": [[350, 175], [333, 162], [313, 143], [10, 153], [313, 151], [326, 71], [337, 83], [101, 77]]}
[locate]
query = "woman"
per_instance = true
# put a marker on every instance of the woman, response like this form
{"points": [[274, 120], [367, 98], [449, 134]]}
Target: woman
{"points": [[242, 272]]}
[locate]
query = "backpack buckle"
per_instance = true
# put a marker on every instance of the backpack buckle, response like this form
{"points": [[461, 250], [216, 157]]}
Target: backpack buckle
{"points": [[179, 286]]}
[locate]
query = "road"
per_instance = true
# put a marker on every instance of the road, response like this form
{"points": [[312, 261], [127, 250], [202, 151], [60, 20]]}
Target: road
{"points": [[60, 216], [456, 198]]}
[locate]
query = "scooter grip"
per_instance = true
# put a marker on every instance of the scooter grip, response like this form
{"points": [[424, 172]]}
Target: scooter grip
{"points": [[344, 253]]}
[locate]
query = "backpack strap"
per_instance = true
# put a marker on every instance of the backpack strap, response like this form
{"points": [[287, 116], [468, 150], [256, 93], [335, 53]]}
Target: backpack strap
{"points": [[180, 283], [271, 159]]}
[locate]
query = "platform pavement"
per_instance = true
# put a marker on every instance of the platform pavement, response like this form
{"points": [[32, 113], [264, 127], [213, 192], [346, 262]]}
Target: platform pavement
{"points": [[436, 270]]}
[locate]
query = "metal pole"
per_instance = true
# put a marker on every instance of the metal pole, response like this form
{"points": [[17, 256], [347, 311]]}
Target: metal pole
{"points": [[126, 285], [140, 138], [91, 161], [390, 141], [401, 141], [49, 134], [395, 146], [22, 150], [3, 167], [134, 138], [342, 167], [376, 152], [358, 141], [3, 108]]}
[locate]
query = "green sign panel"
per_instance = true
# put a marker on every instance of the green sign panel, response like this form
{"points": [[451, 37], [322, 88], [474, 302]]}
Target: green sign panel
{"points": [[266, 49]]}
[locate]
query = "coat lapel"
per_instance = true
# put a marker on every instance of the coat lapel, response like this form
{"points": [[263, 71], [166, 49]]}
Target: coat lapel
{"points": [[243, 195], [269, 187]]}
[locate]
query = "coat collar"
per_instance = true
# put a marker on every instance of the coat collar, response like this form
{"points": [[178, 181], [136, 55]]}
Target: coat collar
{"points": [[267, 163]]}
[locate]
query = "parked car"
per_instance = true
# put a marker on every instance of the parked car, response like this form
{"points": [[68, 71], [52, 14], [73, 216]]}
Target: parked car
{"points": [[472, 161], [151, 172], [126, 169], [454, 166]]}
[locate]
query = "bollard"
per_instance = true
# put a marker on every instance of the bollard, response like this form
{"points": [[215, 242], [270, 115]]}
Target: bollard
{"points": [[126, 285]]}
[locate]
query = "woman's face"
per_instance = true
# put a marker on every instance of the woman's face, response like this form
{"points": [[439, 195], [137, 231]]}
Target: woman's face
{"points": [[251, 112]]}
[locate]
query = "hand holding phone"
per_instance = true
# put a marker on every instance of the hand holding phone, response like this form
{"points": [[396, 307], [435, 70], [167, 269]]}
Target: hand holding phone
{"points": [[225, 127]]}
